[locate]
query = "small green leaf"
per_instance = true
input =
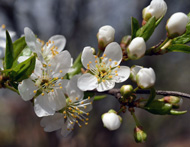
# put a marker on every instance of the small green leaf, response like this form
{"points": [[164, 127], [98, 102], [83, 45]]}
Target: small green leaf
{"points": [[159, 107], [134, 27], [24, 69], [151, 97], [76, 67], [174, 112], [8, 61], [147, 30], [179, 48], [158, 21], [18, 46]]}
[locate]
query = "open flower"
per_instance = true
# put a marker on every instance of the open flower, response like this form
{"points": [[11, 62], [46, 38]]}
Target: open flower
{"points": [[44, 84], [3, 40], [45, 51], [103, 72], [74, 111]]}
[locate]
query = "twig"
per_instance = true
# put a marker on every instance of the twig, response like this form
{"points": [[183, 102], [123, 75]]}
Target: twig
{"points": [[116, 93]]}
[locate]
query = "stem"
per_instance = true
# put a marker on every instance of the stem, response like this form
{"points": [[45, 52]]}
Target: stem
{"points": [[11, 88], [136, 120], [136, 89]]}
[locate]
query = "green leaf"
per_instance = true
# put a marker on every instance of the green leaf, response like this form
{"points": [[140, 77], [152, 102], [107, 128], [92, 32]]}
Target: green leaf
{"points": [[147, 30], [134, 27], [174, 112], [179, 48], [8, 61], [18, 46], [24, 69], [159, 107], [158, 21], [76, 67], [151, 97]]}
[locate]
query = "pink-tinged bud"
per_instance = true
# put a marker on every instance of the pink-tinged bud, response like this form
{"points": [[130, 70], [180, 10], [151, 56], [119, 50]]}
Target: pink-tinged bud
{"points": [[111, 120], [176, 24], [157, 8], [136, 48], [139, 134], [146, 78], [105, 36]]}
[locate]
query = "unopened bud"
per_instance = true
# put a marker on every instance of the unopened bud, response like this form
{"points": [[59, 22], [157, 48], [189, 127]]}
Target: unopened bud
{"points": [[157, 8], [174, 100], [105, 36], [136, 48], [126, 90], [139, 134], [176, 24], [146, 78], [125, 41], [111, 120]]}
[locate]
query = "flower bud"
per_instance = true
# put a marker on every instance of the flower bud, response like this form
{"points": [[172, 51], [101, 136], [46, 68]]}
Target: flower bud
{"points": [[111, 120], [174, 100], [139, 134], [136, 48], [157, 8], [105, 36], [125, 41], [176, 24], [146, 78], [134, 70], [126, 90]]}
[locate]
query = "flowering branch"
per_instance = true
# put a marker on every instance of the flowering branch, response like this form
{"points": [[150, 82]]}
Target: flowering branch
{"points": [[117, 94]]}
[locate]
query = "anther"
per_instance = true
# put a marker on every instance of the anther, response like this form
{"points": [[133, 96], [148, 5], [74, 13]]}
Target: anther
{"points": [[34, 91], [77, 98], [42, 94]]}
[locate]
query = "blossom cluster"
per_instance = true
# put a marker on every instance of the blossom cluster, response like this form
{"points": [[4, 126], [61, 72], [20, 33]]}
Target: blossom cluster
{"points": [[59, 90]]}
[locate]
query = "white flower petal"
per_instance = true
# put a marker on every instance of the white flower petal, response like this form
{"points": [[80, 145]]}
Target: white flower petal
{"points": [[57, 99], [123, 74], [87, 82], [60, 64], [26, 89], [107, 85], [59, 42], [22, 58], [37, 70], [42, 106], [87, 56], [113, 51], [134, 70], [1, 64], [52, 123], [87, 106], [72, 89], [30, 39], [2, 52], [67, 127]]}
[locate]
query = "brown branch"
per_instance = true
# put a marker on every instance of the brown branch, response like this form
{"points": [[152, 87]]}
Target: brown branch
{"points": [[116, 93]]}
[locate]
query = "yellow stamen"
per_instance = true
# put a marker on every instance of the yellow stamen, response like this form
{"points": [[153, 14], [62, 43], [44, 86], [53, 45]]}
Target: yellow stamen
{"points": [[60, 87], [96, 61], [104, 55], [86, 123], [64, 112], [77, 98], [49, 64], [3, 26], [89, 97], [34, 91], [42, 94], [115, 63], [60, 71], [90, 62], [118, 66], [110, 60], [95, 57]]}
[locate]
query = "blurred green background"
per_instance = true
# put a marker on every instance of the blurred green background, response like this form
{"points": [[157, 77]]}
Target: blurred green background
{"points": [[79, 21]]}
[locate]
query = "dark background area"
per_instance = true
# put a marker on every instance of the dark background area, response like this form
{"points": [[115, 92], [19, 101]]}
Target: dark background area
{"points": [[79, 21]]}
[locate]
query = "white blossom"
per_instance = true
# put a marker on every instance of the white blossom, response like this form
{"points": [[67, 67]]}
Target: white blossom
{"points": [[136, 48], [111, 120], [75, 111], [176, 24], [146, 78], [45, 51], [103, 72], [3, 40], [157, 8], [47, 80], [106, 35]]}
